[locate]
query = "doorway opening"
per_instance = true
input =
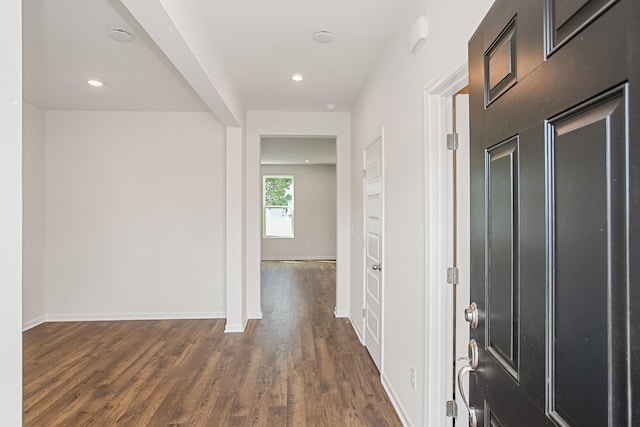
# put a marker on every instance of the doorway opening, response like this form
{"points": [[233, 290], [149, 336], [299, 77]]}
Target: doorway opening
{"points": [[298, 200]]}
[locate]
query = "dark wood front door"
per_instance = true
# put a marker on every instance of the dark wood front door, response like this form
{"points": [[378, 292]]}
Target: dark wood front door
{"points": [[555, 213]]}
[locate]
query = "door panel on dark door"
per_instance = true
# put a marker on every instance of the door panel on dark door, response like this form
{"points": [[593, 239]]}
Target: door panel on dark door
{"points": [[555, 169], [588, 148], [564, 19], [501, 64], [502, 286]]}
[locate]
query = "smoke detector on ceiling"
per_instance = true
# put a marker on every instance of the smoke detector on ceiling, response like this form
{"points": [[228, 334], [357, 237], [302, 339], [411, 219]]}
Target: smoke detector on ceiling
{"points": [[323, 37], [120, 35]]}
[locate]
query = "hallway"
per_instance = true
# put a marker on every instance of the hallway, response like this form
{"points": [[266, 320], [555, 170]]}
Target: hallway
{"points": [[299, 366], [331, 378]]}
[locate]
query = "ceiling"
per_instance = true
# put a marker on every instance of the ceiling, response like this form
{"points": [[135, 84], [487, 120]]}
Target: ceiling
{"points": [[261, 44], [66, 41], [296, 150]]}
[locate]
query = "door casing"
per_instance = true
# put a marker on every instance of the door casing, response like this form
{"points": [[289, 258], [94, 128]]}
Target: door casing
{"points": [[439, 356]]}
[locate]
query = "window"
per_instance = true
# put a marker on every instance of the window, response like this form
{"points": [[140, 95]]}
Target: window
{"points": [[277, 204]]}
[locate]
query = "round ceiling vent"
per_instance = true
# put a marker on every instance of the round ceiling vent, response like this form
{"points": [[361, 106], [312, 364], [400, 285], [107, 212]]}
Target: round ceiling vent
{"points": [[323, 37], [120, 35]]}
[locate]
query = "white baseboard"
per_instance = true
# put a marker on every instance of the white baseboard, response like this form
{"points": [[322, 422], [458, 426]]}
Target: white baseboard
{"points": [[33, 323], [340, 313], [132, 316], [402, 414], [255, 315], [355, 327], [235, 327], [299, 258]]}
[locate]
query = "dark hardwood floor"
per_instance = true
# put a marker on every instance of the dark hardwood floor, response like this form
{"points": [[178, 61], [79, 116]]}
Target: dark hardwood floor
{"points": [[298, 366]]}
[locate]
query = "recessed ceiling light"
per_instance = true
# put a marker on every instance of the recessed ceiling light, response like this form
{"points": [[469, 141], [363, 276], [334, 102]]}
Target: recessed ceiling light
{"points": [[307, 161], [95, 82], [120, 35], [330, 107], [323, 37], [297, 77]]}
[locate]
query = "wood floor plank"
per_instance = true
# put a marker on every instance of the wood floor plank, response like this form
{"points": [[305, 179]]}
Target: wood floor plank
{"points": [[296, 406], [298, 366]]}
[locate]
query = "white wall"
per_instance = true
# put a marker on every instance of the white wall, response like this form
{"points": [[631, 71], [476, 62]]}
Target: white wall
{"points": [[11, 213], [33, 286], [273, 123], [314, 214], [393, 98], [135, 215]]}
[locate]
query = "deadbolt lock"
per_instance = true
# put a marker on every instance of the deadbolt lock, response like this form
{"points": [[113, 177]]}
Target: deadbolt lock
{"points": [[471, 315]]}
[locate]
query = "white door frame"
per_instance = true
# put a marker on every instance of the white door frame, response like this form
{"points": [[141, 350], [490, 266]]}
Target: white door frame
{"points": [[438, 243], [282, 123], [364, 246]]}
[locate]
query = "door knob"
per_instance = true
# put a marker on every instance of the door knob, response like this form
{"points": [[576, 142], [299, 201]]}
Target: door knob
{"points": [[471, 315], [377, 267]]}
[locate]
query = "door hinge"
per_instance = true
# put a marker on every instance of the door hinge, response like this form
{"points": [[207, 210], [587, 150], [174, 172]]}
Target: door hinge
{"points": [[364, 312], [452, 409], [364, 173], [452, 275], [452, 141]]}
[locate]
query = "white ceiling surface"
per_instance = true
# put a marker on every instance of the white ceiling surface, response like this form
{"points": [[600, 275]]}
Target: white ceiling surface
{"points": [[295, 150], [66, 41], [261, 43]]}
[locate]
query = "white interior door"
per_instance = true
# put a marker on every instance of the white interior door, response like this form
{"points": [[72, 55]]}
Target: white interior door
{"points": [[373, 187], [462, 237]]}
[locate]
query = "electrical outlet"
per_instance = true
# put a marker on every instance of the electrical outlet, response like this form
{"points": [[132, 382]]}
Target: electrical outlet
{"points": [[413, 377]]}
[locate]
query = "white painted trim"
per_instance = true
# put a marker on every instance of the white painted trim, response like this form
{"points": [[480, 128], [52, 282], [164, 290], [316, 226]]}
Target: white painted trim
{"points": [[464, 240], [449, 83], [384, 252], [33, 323], [354, 325], [235, 327], [438, 295], [402, 413], [363, 243], [340, 313], [282, 123], [300, 258], [255, 315], [90, 317]]}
